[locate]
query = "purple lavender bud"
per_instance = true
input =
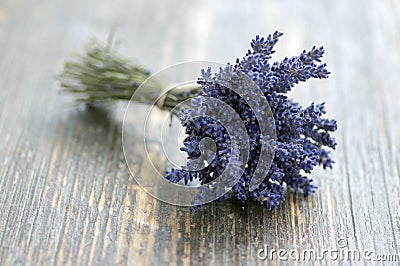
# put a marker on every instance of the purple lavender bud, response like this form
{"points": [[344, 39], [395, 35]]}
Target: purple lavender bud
{"points": [[303, 136]]}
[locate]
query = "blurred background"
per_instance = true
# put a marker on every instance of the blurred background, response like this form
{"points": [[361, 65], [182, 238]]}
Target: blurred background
{"points": [[66, 195]]}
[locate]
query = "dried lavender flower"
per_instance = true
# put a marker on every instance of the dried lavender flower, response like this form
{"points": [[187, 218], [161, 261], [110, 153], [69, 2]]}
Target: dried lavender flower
{"points": [[303, 135]]}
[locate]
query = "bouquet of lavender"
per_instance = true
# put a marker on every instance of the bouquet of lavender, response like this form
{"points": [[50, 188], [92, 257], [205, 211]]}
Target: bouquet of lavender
{"points": [[296, 138]]}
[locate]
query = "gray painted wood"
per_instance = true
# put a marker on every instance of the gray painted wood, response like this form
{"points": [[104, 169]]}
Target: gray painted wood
{"points": [[66, 194]]}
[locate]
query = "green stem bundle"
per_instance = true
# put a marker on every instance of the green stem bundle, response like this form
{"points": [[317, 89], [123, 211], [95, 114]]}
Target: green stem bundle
{"points": [[101, 75]]}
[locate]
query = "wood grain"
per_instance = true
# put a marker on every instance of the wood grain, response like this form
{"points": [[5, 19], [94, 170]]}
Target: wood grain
{"points": [[67, 196]]}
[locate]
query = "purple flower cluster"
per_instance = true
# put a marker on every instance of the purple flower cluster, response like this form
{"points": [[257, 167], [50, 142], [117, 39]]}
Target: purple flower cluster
{"points": [[303, 136]]}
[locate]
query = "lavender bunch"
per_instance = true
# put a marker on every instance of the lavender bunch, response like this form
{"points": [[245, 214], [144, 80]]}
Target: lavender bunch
{"points": [[303, 135]]}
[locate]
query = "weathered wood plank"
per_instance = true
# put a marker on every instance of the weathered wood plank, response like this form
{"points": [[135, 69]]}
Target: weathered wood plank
{"points": [[66, 193]]}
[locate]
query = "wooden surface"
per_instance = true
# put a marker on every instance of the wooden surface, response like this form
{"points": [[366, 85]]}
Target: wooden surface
{"points": [[66, 194]]}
